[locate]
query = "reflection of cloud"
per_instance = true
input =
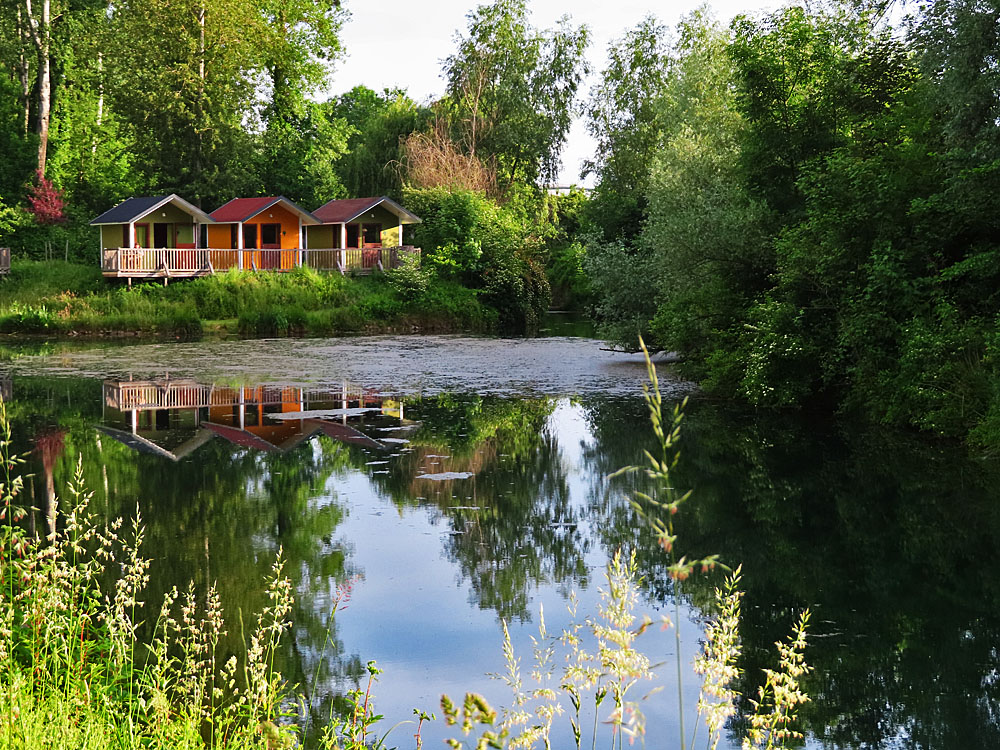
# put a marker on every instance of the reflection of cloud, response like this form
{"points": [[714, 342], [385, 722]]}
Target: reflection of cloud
{"points": [[446, 475]]}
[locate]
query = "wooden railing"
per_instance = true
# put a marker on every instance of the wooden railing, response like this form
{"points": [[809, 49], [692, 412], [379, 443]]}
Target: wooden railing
{"points": [[4, 260], [169, 262], [146, 395]]}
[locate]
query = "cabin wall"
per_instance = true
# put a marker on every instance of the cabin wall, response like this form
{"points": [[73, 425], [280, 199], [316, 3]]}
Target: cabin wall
{"points": [[289, 225], [323, 237], [170, 214], [111, 236], [390, 236], [388, 220], [220, 237]]}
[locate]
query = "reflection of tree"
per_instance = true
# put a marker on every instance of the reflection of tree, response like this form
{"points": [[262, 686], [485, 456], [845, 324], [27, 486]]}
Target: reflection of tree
{"points": [[219, 516], [512, 523], [888, 539]]}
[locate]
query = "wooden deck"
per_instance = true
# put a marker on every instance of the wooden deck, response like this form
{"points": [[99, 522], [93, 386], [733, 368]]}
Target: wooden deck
{"points": [[170, 263]]}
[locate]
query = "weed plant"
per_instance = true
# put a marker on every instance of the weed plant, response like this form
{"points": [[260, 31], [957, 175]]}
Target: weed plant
{"points": [[597, 660]]}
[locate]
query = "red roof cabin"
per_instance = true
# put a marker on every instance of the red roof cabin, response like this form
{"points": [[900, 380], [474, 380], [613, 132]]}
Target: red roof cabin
{"points": [[266, 231], [360, 223]]}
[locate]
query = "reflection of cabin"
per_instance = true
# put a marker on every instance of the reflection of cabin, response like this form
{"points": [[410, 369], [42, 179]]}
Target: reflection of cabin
{"points": [[173, 417], [167, 237]]}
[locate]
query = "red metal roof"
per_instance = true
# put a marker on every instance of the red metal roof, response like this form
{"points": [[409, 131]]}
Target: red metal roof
{"points": [[241, 209], [339, 211]]}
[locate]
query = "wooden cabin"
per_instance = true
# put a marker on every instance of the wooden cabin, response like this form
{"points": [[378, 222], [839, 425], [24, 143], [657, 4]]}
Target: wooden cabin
{"points": [[363, 227], [151, 235], [166, 237], [266, 231]]}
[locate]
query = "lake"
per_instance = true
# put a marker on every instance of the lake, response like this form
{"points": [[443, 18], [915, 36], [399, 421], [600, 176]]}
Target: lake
{"points": [[439, 485]]}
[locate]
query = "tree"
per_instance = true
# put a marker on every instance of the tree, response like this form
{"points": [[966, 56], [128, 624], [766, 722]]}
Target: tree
{"points": [[511, 91], [45, 202], [37, 23], [299, 156], [380, 123], [622, 116], [467, 236], [183, 77]]}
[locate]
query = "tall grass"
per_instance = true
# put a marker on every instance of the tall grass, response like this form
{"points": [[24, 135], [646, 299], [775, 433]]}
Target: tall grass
{"points": [[61, 297]]}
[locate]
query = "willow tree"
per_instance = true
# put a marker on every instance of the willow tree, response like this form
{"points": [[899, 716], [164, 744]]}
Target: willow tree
{"points": [[622, 116], [512, 90]]}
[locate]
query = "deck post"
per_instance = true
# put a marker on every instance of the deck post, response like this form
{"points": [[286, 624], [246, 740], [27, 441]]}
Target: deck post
{"points": [[239, 245]]}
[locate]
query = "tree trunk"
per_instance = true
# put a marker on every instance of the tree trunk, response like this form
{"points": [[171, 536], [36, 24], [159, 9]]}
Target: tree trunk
{"points": [[23, 70], [41, 35], [196, 160]]}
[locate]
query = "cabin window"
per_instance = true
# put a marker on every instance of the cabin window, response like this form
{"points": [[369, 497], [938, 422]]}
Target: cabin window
{"points": [[353, 236], [250, 236], [372, 235], [142, 235], [270, 234], [184, 235], [203, 235]]}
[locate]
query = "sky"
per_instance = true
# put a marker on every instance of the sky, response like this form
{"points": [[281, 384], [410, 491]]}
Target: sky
{"points": [[401, 43]]}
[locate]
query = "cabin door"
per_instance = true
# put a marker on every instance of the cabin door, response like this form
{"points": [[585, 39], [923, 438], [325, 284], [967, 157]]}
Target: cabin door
{"points": [[161, 233], [270, 239]]}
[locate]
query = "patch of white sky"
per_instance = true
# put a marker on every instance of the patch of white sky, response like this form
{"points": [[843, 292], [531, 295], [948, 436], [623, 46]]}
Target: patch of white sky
{"points": [[401, 44]]}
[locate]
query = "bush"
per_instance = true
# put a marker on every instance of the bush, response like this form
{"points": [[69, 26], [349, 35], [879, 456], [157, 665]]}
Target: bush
{"points": [[409, 280], [467, 236]]}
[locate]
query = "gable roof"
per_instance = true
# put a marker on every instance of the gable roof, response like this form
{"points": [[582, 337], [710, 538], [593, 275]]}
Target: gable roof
{"points": [[135, 208], [345, 210], [244, 209]]}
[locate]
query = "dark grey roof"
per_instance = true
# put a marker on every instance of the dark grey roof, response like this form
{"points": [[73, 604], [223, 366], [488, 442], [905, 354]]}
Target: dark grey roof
{"points": [[136, 208]]}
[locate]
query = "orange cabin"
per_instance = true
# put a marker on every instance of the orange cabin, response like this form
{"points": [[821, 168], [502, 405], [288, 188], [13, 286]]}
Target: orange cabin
{"points": [[259, 227]]}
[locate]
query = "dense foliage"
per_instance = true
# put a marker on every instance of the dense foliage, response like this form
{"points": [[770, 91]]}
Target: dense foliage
{"points": [[819, 214]]}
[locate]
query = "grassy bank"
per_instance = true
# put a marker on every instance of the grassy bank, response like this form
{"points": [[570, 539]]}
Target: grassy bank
{"points": [[59, 298]]}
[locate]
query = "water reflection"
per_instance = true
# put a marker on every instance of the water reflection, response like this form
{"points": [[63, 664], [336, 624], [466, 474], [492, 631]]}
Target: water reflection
{"points": [[453, 510], [173, 418]]}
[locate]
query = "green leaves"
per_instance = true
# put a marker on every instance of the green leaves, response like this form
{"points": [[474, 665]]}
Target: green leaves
{"points": [[512, 88]]}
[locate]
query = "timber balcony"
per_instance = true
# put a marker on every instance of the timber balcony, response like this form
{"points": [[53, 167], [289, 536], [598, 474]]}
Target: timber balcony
{"points": [[175, 263]]}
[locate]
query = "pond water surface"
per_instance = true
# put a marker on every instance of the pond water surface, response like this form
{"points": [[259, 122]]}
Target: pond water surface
{"points": [[455, 482]]}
